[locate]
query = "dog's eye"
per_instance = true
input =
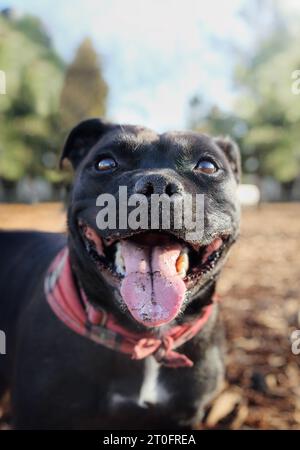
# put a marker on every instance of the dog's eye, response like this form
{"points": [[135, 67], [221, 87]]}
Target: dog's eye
{"points": [[206, 166], [105, 164]]}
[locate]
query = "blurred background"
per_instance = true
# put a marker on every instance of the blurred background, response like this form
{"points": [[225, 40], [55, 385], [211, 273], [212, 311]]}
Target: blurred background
{"points": [[225, 68], [219, 67]]}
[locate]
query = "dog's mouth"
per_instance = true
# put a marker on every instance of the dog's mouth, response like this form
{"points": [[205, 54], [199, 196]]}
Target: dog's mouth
{"points": [[153, 270]]}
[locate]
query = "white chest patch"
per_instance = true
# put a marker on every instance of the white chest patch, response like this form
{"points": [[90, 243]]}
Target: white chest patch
{"points": [[151, 390]]}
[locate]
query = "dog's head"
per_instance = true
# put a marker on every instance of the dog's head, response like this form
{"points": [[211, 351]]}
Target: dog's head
{"points": [[150, 275]]}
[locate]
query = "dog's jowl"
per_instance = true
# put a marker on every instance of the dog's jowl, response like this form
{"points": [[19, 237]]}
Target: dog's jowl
{"points": [[117, 326]]}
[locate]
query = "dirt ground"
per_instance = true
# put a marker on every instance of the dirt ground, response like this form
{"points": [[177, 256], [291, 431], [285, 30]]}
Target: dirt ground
{"points": [[260, 292]]}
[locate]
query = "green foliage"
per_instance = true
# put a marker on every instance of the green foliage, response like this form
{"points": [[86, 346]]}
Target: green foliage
{"points": [[267, 121], [33, 28], [23, 103], [42, 101], [271, 110], [33, 86], [21, 55]]}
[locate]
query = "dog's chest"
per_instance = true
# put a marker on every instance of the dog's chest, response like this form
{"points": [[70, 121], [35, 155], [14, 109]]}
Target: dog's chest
{"points": [[150, 391]]}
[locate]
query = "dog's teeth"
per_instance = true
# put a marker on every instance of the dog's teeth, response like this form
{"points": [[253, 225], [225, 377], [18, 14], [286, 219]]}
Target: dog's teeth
{"points": [[182, 263], [119, 261]]}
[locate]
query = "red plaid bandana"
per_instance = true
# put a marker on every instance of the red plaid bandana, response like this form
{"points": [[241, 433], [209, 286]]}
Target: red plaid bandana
{"points": [[71, 306]]}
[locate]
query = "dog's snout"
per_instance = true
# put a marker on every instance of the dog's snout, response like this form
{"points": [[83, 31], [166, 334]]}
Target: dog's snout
{"points": [[156, 184], [173, 188], [144, 186]]}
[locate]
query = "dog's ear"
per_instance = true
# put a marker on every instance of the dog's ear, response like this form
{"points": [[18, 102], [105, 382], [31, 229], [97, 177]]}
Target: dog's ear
{"points": [[232, 152], [81, 139]]}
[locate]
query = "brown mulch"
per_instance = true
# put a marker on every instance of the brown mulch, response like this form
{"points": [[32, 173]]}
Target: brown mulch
{"points": [[260, 288]]}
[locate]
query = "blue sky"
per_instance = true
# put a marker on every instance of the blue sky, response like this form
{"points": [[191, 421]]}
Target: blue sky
{"points": [[157, 53]]}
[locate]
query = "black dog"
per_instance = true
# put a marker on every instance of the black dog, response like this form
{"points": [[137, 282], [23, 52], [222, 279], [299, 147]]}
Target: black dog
{"points": [[147, 282]]}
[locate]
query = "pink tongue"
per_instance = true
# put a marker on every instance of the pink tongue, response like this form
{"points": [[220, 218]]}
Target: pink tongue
{"points": [[152, 289]]}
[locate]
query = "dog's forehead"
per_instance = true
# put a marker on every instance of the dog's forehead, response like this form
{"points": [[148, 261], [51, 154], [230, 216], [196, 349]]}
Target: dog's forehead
{"points": [[185, 139], [135, 136], [130, 135]]}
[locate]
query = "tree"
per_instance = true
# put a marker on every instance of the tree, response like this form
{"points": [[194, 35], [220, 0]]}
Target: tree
{"points": [[84, 93], [267, 123], [268, 105], [28, 132], [23, 103]]}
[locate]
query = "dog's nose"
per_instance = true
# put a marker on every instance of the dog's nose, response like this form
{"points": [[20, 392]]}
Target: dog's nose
{"points": [[157, 184]]}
